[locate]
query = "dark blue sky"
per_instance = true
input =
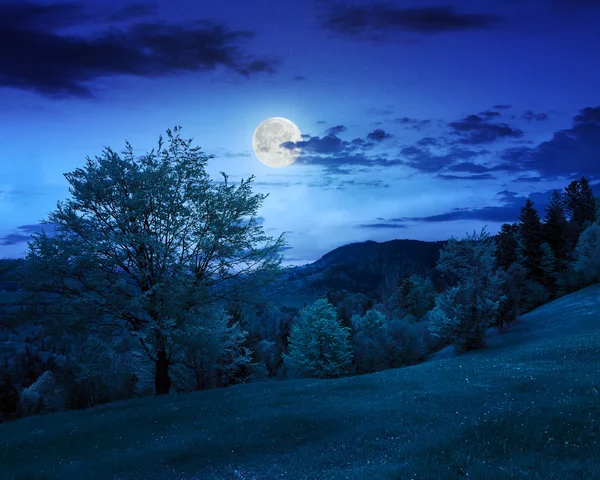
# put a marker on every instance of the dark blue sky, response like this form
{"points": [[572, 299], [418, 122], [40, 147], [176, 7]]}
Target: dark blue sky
{"points": [[421, 119]]}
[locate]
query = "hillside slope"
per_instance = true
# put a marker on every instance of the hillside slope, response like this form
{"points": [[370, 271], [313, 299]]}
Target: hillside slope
{"points": [[527, 407]]}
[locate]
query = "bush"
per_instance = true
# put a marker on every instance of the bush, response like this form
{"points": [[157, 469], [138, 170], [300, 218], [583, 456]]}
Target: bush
{"points": [[43, 396], [404, 345]]}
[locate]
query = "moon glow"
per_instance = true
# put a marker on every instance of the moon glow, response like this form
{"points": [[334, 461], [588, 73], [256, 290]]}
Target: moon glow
{"points": [[267, 140]]}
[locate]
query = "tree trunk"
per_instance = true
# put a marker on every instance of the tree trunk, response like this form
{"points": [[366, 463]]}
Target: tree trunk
{"points": [[162, 381]]}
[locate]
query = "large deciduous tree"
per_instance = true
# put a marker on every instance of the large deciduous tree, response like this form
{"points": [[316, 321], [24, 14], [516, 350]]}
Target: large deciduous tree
{"points": [[147, 246]]}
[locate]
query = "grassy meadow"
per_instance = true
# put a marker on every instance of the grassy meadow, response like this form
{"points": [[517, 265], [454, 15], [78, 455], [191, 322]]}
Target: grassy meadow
{"points": [[526, 407]]}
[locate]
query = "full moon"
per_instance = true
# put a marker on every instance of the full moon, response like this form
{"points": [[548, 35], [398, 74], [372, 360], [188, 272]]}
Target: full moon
{"points": [[267, 140]]}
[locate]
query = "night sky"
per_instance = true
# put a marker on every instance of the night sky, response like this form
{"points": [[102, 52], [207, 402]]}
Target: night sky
{"points": [[421, 119]]}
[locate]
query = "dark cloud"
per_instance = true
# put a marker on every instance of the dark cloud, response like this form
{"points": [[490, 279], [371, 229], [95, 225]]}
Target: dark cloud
{"points": [[299, 78], [489, 114], [382, 225], [530, 116], [529, 179], [468, 167], [429, 142], [341, 163], [320, 122], [36, 56], [501, 107], [570, 152], [378, 135], [336, 130], [380, 21], [481, 176], [413, 123], [507, 212], [423, 160], [477, 130], [24, 232]]}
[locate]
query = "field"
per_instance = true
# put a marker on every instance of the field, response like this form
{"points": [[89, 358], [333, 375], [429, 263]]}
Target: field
{"points": [[526, 407]]}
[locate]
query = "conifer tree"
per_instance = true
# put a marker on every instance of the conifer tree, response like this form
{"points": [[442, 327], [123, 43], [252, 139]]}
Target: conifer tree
{"points": [[465, 311], [548, 267], [530, 232], [506, 252], [318, 344], [554, 229]]}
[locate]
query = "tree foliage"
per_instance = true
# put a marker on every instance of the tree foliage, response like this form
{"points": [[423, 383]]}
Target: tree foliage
{"points": [[149, 243], [319, 345], [586, 260], [467, 309]]}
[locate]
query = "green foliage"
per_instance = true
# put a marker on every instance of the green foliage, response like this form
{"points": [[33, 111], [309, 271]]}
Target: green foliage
{"points": [[368, 341], [548, 268], [213, 352], [530, 240], [514, 290], [555, 228], [586, 262], [404, 344], [535, 295], [318, 345], [145, 240], [506, 241], [417, 296], [466, 310]]}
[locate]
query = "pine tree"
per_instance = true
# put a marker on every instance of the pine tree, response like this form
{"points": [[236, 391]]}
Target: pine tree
{"points": [[506, 252], [530, 231], [369, 341], [318, 345], [554, 229], [548, 267], [465, 311]]}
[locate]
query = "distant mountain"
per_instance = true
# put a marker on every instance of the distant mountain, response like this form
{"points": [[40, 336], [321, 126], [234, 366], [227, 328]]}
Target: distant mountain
{"points": [[361, 267]]}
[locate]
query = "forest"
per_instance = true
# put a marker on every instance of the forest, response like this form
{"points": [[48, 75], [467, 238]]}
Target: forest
{"points": [[159, 280]]}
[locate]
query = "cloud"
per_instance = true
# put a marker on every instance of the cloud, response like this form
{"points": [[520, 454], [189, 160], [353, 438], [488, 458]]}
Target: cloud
{"points": [[413, 123], [379, 21], [299, 78], [429, 142], [501, 107], [490, 114], [382, 225], [570, 152], [336, 130], [530, 115], [507, 212], [425, 161], [481, 176], [378, 135], [477, 130], [23, 234], [468, 167], [55, 64]]}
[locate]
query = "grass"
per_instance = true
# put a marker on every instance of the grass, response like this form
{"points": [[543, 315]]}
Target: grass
{"points": [[526, 407]]}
